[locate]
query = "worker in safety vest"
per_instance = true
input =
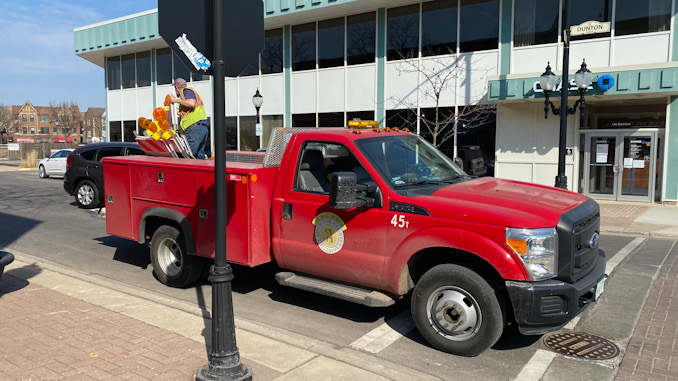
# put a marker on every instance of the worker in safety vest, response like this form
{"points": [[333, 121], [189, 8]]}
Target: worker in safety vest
{"points": [[193, 119]]}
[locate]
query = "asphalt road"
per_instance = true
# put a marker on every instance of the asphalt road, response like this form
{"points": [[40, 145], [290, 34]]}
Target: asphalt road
{"points": [[38, 217]]}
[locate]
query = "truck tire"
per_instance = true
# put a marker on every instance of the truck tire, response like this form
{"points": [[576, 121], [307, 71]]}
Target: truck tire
{"points": [[171, 262], [87, 195], [457, 310]]}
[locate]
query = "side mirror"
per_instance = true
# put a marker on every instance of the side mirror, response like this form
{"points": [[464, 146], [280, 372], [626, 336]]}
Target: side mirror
{"points": [[343, 188]]}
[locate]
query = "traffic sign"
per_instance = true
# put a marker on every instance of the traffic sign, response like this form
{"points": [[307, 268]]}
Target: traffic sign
{"points": [[187, 27]]}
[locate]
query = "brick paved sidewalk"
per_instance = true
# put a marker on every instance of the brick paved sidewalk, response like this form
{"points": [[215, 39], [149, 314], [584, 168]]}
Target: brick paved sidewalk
{"points": [[652, 353], [46, 335]]}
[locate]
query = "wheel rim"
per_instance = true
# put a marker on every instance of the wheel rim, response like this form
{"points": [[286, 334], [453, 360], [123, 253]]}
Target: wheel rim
{"points": [[85, 194], [454, 313], [169, 257], [41, 171]]}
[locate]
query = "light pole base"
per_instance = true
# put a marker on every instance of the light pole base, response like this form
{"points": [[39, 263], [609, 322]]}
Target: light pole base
{"points": [[221, 373], [561, 182]]}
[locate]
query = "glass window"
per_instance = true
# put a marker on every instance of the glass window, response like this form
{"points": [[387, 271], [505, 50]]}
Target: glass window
{"points": [[44, 130], [180, 70], [303, 120], [331, 119], [249, 141], [131, 151], [434, 133], [199, 77], [115, 131], [331, 43], [89, 154], [32, 118], [114, 78], [108, 152], [402, 119], [54, 130], [359, 115], [479, 25], [231, 123], [439, 27], [144, 69], [536, 22], [268, 124], [403, 32], [23, 117], [25, 129], [163, 60], [590, 10], [361, 38], [44, 118], [130, 128], [633, 16], [128, 76], [32, 130], [272, 55], [303, 47]]}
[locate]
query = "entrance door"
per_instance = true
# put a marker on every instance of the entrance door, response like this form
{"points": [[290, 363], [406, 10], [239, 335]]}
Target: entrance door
{"points": [[621, 165]]}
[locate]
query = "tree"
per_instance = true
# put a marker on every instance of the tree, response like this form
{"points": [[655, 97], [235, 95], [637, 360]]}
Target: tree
{"points": [[439, 76], [66, 116], [7, 119]]}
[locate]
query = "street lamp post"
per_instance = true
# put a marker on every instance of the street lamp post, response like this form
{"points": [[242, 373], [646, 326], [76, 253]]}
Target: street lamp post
{"points": [[257, 101], [547, 82]]}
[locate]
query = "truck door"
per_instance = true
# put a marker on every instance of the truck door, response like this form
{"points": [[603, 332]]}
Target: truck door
{"points": [[346, 245]]}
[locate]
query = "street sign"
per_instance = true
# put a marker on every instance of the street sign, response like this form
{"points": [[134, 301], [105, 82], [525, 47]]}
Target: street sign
{"points": [[590, 27], [187, 27]]}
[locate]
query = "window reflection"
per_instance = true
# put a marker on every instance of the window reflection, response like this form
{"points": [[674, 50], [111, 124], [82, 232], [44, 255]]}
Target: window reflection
{"points": [[249, 141], [439, 27], [303, 120], [361, 38], [331, 43], [272, 55], [115, 131], [479, 25], [114, 77], [359, 115], [130, 127], [404, 118], [163, 59], [403, 32], [128, 75], [251, 69], [536, 22], [303, 47], [632, 16], [143, 69], [331, 119], [180, 70]]}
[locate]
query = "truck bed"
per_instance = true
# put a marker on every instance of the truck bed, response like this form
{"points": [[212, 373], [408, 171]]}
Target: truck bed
{"points": [[187, 186]]}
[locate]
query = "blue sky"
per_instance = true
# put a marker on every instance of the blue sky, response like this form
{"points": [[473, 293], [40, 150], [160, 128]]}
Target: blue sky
{"points": [[37, 59]]}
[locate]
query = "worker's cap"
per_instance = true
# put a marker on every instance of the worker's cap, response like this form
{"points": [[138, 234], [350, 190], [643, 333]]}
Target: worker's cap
{"points": [[179, 83]]}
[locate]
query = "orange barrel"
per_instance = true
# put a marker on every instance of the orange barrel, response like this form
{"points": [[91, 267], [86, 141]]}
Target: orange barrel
{"points": [[159, 113]]}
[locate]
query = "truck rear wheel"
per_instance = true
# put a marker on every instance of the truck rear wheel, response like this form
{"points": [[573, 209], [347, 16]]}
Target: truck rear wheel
{"points": [[457, 310], [171, 262]]}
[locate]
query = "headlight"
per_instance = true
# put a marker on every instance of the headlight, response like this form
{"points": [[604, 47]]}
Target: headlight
{"points": [[537, 248]]}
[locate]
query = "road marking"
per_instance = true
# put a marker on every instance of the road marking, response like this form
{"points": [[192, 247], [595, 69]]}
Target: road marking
{"points": [[537, 366], [622, 254], [386, 334]]}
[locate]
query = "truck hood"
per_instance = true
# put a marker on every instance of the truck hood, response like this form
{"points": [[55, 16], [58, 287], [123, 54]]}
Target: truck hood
{"points": [[501, 202]]}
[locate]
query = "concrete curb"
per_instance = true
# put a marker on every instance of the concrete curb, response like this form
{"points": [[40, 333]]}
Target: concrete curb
{"points": [[291, 346]]}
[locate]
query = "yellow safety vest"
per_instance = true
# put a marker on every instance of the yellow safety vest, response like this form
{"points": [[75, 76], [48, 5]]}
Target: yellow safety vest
{"points": [[193, 116]]}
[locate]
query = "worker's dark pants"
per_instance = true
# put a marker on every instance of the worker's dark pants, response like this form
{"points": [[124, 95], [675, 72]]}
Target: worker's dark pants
{"points": [[196, 135]]}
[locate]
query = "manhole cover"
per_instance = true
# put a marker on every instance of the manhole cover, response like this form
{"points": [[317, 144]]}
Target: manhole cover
{"points": [[581, 345]]}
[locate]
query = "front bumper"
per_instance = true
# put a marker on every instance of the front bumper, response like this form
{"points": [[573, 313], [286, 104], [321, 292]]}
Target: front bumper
{"points": [[546, 306]]}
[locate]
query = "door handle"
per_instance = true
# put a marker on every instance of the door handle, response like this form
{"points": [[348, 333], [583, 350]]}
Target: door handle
{"points": [[287, 211]]}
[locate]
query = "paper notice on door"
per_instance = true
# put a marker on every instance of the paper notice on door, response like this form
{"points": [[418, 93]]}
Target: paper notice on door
{"points": [[639, 164], [628, 162], [601, 158], [602, 149]]}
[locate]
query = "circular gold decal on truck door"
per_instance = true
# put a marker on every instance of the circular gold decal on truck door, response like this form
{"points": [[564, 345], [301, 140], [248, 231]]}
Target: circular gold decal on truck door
{"points": [[329, 233]]}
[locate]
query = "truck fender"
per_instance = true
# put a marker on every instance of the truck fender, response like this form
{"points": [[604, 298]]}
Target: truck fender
{"points": [[172, 215], [396, 273]]}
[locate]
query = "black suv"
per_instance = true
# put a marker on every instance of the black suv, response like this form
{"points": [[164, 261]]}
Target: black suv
{"points": [[84, 176]]}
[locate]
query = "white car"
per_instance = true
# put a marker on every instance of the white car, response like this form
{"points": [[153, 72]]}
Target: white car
{"points": [[54, 165]]}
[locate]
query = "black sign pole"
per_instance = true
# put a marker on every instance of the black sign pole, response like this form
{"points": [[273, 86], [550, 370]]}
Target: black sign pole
{"points": [[224, 358]]}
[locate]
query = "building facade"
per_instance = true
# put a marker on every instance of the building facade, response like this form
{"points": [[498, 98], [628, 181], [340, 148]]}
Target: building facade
{"points": [[405, 63]]}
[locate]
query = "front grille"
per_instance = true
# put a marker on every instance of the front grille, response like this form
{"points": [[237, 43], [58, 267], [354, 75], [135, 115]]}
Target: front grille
{"points": [[576, 257]]}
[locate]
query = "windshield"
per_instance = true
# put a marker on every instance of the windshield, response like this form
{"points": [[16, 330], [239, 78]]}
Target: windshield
{"points": [[408, 160]]}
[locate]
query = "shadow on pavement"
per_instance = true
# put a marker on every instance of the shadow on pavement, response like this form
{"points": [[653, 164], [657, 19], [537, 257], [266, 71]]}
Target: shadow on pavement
{"points": [[18, 278], [12, 227], [127, 251]]}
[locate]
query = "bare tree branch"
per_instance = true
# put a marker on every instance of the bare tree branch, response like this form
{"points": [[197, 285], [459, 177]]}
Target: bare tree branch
{"points": [[66, 116], [7, 119]]}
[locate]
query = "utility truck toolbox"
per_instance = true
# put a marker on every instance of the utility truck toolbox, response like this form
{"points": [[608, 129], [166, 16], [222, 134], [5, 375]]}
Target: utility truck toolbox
{"points": [[370, 215]]}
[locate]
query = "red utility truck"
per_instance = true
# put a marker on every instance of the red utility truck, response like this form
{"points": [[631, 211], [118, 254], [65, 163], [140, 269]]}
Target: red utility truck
{"points": [[370, 216]]}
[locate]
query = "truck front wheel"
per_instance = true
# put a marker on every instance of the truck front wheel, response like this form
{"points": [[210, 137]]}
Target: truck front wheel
{"points": [[171, 262], [457, 310]]}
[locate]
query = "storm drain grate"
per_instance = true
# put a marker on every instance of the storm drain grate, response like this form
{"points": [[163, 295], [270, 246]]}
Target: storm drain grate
{"points": [[581, 345]]}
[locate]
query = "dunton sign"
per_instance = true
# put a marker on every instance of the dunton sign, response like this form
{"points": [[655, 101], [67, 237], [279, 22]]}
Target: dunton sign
{"points": [[590, 27]]}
